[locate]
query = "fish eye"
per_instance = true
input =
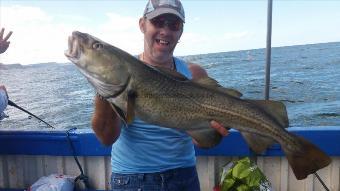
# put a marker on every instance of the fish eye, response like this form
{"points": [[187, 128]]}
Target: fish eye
{"points": [[97, 45]]}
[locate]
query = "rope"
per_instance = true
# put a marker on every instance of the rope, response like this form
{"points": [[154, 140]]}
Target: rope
{"points": [[82, 177], [321, 181]]}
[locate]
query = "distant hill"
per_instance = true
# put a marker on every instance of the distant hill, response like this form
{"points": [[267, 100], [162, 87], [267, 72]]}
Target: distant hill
{"points": [[15, 66], [10, 66]]}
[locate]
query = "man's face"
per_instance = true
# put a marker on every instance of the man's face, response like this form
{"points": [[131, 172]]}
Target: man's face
{"points": [[161, 35]]}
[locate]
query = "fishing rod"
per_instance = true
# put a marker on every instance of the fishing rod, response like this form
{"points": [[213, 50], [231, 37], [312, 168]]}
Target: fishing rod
{"points": [[11, 103]]}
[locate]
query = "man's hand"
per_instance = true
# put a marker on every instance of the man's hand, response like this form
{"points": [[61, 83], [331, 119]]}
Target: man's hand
{"points": [[3, 41], [219, 128]]}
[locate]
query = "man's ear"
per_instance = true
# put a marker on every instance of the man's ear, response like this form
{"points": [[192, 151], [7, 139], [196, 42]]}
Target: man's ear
{"points": [[142, 24], [181, 34]]}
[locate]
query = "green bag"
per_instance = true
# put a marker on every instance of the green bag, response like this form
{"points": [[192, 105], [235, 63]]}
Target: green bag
{"points": [[243, 175]]}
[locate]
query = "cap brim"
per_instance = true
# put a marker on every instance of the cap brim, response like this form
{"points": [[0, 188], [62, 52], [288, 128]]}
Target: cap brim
{"points": [[163, 10]]}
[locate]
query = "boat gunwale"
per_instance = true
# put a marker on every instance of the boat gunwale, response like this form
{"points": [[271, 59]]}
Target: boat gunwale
{"points": [[55, 143]]}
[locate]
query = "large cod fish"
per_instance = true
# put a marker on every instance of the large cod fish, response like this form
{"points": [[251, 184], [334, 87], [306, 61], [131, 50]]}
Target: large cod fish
{"points": [[166, 98]]}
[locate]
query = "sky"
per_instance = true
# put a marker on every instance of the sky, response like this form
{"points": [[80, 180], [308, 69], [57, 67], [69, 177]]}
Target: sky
{"points": [[41, 27]]}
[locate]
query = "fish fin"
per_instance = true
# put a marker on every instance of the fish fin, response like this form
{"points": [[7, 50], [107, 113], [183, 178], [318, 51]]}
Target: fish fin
{"points": [[210, 82], [171, 73], [206, 138], [275, 109], [120, 113], [231, 92], [257, 142], [306, 160], [131, 103]]}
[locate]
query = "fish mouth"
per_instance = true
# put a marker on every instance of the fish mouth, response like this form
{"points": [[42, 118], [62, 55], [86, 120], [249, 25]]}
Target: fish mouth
{"points": [[73, 53]]}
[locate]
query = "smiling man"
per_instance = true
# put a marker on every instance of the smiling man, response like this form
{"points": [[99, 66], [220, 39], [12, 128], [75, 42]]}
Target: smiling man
{"points": [[144, 156]]}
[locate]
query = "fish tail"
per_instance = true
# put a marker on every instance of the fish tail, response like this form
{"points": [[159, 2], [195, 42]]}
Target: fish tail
{"points": [[307, 159]]}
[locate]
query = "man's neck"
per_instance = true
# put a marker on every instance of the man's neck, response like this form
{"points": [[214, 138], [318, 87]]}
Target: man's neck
{"points": [[169, 64]]}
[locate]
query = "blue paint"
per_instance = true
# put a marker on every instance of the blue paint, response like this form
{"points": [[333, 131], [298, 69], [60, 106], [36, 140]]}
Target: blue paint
{"points": [[86, 144]]}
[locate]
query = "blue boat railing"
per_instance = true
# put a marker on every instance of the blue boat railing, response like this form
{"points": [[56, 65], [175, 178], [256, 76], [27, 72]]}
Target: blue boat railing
{"points": [[55, 143]]}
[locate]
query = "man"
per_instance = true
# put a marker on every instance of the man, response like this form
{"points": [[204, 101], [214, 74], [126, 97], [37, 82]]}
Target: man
{"points": [[3, 93], [145, 156]]}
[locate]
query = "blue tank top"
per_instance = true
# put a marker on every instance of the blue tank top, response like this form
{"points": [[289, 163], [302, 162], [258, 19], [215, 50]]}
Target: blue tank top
{"points": [[147, 148]]}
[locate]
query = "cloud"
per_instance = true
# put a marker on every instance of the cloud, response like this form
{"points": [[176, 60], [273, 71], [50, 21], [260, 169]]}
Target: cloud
{"points": [[119, 23], [200, 43], [36, 37], [24, 15], [40, 37], [122, 31]]}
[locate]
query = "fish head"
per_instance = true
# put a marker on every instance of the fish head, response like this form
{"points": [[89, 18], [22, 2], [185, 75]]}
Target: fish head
{"points": [[99, 62]]}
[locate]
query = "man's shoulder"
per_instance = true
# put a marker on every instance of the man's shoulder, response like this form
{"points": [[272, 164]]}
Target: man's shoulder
{"points": [[197, 71]]}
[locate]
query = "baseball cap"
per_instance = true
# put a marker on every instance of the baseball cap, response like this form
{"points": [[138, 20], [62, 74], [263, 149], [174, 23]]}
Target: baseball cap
{"points": [[155, 8]]}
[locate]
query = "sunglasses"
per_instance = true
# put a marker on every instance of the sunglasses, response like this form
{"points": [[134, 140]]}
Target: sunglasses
{"points": [[173, 24]]}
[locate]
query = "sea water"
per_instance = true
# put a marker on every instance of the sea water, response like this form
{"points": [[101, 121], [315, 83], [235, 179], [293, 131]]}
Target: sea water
{"points": [[306, 78]]}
